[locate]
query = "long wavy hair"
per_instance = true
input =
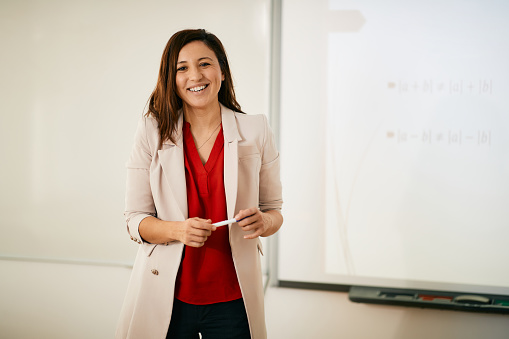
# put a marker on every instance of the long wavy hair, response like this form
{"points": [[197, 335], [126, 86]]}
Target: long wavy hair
{"points": [[164, 103]]}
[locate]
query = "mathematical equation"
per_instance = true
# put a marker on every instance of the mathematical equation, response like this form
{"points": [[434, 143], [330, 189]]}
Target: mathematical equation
{"points": [[452, 87], [449, 137]]}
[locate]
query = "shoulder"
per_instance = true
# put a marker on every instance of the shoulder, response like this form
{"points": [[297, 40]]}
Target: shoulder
{"points": [[253, 122], [150, 124], [250, 118], [148, 132], [253, 129], [241, 126]]}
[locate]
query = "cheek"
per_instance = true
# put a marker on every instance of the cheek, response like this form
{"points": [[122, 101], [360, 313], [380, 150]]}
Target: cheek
{"points": [[220, 79], [180, 83]]}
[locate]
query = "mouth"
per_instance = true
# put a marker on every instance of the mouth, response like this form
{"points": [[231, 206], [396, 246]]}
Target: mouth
{"points": [[197, 89]]}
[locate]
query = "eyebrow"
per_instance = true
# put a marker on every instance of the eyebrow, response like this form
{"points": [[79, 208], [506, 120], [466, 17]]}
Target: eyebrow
{"points": [[200, 59]]}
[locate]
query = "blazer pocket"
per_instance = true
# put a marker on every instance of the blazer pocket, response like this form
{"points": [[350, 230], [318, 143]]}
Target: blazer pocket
{"points": [[260, 247]]}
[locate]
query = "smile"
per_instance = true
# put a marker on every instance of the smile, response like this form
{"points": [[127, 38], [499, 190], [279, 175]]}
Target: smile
{"points": [[198, 88]]}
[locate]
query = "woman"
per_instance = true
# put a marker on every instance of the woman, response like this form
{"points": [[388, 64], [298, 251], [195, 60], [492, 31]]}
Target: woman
{"points": [[198, 160]]}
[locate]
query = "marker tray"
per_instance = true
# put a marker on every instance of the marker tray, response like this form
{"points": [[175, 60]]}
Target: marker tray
{"points": [[486, 303]]}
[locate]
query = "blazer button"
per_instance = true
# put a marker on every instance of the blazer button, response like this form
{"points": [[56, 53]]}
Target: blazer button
{"points": [[155, 272]]}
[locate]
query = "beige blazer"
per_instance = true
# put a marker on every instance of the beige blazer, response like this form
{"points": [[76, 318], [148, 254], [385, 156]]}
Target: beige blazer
{"points": [[156, 186]]}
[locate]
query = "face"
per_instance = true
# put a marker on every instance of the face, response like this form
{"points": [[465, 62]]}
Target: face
{"points": [[198, 77]]}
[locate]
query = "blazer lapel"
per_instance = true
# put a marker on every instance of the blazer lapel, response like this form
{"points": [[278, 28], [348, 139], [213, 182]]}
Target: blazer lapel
{"points": [[231, 138], [171, 157]]}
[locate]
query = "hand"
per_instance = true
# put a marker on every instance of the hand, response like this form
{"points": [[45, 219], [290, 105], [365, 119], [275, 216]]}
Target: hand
{"points": [[252, 220], [195, 231]]}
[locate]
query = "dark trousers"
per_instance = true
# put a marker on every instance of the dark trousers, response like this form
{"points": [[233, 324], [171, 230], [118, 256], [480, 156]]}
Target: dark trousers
{"points": [[226, 320]]}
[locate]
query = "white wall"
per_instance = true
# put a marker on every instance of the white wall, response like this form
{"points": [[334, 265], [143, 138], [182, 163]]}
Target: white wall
{"points": [[55, 300]]}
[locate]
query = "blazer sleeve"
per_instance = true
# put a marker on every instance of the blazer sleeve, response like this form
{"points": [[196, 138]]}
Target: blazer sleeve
{"points": [[270, 183], [139, 202]]}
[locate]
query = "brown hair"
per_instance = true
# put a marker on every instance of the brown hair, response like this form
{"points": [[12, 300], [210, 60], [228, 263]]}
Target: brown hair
{"points": [[164, 104]]}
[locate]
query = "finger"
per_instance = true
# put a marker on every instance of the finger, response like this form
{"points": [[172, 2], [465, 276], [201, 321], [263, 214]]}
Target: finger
{"points": [[200, 233], [252, 226], [254, 235], [246, 213], [203, 224], [255, 218], [197, 239], [193, 232], [208, 227], [201, 220], [195, 244]]}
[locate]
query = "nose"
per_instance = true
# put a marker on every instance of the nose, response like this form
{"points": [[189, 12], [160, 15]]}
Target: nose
{"points": [[194, 73]]}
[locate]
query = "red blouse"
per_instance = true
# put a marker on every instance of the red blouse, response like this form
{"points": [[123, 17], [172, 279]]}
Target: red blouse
{"points": [[207, 274]]}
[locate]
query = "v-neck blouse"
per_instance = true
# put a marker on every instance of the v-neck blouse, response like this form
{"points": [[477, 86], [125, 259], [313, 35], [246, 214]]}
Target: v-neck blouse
{"points": [[207, 274]]}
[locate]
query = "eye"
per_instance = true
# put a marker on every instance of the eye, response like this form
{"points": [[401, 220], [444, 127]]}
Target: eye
{"points": [[181, 69], [204, 64]]}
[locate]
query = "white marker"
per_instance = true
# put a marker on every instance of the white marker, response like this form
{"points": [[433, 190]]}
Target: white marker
{"points": [[225, 222]]}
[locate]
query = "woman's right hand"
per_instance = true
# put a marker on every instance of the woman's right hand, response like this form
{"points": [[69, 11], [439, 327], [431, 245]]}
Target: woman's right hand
{"points": [[194, 231]]}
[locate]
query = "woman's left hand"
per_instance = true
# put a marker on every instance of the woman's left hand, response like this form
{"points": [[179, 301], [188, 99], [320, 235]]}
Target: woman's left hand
{"points": [[253, 220]]}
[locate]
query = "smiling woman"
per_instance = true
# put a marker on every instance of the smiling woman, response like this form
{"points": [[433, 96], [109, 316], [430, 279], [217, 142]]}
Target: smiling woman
{"points": [[191, 277]]}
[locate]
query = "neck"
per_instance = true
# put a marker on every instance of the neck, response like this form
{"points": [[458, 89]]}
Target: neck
{"points": [[203, 119]]}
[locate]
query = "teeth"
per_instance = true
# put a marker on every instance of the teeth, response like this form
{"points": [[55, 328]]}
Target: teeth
{"points": [[197, 89]]}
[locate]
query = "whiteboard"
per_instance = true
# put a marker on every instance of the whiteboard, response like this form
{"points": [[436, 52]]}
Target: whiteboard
{"points": [[394, 144], [75, 79]]}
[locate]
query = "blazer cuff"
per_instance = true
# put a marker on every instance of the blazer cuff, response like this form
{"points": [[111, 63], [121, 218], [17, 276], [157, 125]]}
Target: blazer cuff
{"points": [[133, 224]]}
